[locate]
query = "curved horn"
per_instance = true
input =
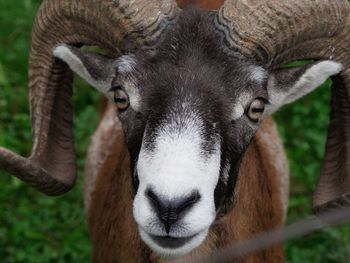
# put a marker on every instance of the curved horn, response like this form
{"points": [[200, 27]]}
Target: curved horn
{"points": [[115, 25], [206, 4], [276, 32]]}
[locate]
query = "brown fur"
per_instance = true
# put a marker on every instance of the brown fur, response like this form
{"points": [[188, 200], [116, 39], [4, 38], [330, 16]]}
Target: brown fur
{"points": [[259, 198]]}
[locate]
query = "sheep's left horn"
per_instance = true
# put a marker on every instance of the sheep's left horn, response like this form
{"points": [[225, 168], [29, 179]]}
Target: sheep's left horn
{"points": [[114, 25], [275, 32]]}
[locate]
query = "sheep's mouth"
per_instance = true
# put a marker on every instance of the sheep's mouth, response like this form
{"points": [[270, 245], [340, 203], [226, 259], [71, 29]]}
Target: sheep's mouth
{"points": [[171, 242]]}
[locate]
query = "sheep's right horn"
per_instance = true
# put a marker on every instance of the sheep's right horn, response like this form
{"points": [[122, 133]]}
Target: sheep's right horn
{"points": [[275, 32], [114, 25]]}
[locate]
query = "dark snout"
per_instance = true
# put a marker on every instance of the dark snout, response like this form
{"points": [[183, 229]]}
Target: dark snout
{"points": [[170, 211]]}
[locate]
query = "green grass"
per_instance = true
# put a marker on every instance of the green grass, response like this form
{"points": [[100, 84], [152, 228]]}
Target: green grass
{"points": [[35, 228], [303, 127]]}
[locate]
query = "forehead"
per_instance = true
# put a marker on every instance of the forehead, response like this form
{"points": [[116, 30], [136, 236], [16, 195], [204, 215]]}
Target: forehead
{"points": [[190, 62], [190, 66], [200, 83]]}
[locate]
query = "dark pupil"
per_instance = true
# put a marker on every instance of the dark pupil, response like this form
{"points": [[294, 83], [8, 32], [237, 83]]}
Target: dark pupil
{"points": [[119, 100], [257, 109]]}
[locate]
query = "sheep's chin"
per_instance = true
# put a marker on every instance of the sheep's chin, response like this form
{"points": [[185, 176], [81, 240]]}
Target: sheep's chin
{"points": [[171, 253]]}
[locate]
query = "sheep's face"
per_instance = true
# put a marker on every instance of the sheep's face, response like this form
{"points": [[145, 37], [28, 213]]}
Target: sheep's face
{"points": [[188, 112], [187, 126], [191, 113]]}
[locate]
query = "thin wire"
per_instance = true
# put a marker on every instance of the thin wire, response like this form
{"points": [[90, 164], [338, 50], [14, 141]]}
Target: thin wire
{"points": [[275, 236]]}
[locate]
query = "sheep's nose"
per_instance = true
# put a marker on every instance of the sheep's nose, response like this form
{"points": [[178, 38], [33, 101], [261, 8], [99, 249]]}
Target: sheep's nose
{"points": [[170, 211]]}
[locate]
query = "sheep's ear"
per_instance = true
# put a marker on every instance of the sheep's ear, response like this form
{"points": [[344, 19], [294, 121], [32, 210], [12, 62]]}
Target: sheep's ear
{"points": [[96, 69], [287, 85]]}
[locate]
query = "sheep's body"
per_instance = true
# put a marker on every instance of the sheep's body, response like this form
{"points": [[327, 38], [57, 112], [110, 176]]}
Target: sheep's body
{"points": [[261, 197]]}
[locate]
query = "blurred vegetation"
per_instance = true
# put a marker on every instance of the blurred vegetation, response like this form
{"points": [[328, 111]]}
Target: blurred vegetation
{"points": [[35, 228]]}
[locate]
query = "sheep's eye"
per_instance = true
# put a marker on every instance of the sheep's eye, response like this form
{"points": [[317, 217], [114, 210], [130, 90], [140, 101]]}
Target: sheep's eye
{"points": [[121, 99], [256, 109]]}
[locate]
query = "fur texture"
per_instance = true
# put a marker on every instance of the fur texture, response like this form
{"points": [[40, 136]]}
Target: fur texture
{"points": [[193, 113], [114, 231]]}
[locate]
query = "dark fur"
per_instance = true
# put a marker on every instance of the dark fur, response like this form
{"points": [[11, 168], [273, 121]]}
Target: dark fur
{"points": [[188, 65], [258, 204], [191, 66]]}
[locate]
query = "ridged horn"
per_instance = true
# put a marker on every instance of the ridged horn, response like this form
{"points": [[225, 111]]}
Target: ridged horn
{"points": [[205, 4], [275, 32], [114, 25]]}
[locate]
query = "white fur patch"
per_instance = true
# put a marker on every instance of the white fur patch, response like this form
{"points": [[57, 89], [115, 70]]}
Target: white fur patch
{"points": [[126, 64], [73, 61], [225, 173], [133, 93], [237, 112], [175, 168], [240, 105], [258, 74], [311, 79]]}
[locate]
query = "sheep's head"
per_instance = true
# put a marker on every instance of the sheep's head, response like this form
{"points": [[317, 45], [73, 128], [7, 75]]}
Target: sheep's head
{"points": [[190, 99]]}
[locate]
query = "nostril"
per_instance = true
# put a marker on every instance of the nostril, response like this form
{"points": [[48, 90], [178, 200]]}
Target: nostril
{"points": [[170, 211], [188, 202], [155, 200]]}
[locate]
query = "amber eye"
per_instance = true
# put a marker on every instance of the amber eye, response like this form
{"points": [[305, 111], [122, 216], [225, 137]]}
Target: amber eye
{"points": [[256, 109], [121, 99]]}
